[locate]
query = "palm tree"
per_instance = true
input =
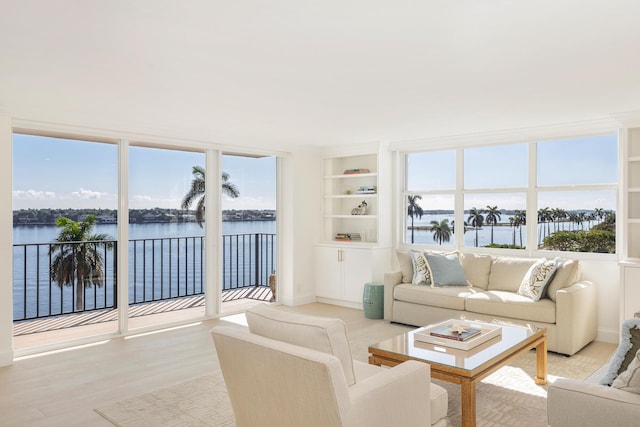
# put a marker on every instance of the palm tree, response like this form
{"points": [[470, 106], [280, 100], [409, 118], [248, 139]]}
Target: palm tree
{"points": [[582, 217], [520, 219], [196, 192], [441, 230], [599, 213], [573, 218], [512, 223], [558, 214], [414, 209], [476, 220], [492, 218], [77, 257], [544, 215]]}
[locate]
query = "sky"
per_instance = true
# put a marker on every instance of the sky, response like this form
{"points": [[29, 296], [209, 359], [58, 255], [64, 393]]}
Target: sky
{"points": [[579, 161], [59, 173]]}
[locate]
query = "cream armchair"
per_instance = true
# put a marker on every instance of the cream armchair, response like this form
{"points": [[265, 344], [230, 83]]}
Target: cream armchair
{"points": [[273, 383], [357, 394]]}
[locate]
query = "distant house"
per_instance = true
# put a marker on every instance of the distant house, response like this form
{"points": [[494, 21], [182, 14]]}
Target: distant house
{"points": [[106, 219]]}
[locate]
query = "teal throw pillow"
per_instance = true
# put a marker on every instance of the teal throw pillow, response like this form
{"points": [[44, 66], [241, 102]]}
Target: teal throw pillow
{"points": [[446, 270]]}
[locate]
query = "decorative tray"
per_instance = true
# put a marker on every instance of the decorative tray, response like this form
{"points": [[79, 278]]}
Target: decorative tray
{"points": [[487, 331]]}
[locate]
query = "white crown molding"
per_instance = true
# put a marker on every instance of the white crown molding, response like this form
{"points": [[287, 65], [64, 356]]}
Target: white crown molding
{"points": [[139, 138], [525, 134], [628, 118]]}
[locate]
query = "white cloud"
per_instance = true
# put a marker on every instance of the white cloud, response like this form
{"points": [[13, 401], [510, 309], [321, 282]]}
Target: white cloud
{"points": [[88, 194], [33, 195]]}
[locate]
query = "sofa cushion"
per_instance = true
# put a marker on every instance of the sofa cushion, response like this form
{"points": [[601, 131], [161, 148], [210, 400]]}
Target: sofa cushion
{"points": [[629, 380], [317, 333], [510, 304], [507, 273], [421, 271], [406, 266], [534, 283], [567, 273], [476, 268], [445, 297], [445, 270]]}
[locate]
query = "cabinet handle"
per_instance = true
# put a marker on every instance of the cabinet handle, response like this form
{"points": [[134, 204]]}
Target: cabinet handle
{"points": [[340, 255]]}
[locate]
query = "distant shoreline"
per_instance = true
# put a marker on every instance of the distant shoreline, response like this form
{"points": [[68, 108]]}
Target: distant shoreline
{"points": [[32, 224], [41, 217]]}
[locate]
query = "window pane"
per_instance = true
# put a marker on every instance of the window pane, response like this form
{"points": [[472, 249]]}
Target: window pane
{"points": [[249, 254], [579, 221], [166, 242], [433, 170], [430, 219], [578, 161], [64, 190], [495, 167], [495, 219]]}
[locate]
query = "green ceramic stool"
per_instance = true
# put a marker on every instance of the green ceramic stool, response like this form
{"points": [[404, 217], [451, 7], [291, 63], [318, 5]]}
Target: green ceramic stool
{"points": [[373, 300]]}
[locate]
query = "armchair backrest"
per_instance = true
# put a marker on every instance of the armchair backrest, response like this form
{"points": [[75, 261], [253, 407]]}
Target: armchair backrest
{"points": [[276, 383], [324, 334]]}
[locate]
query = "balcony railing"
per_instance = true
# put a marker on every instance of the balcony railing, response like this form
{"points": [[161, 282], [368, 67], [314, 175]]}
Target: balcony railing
{"points": [[159, 269]]}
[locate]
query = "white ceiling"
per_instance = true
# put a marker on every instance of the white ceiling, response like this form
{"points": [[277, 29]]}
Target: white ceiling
{"points": [[317, 73]]}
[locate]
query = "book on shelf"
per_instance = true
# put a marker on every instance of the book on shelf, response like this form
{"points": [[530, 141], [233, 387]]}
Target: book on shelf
{"points": [[447, 332], [356, 171], [367, 189], [348, 237]]}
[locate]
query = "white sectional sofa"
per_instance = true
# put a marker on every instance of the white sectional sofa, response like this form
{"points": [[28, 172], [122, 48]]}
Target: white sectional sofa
{"points": [[567, 308]]}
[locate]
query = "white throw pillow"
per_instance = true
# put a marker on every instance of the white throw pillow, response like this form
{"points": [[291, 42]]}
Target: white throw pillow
{"points": [[537, 278], [421, 273], [629, 380]]}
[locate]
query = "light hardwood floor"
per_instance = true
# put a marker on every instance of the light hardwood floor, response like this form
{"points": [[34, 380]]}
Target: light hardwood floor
{"points": [[63, 388]]}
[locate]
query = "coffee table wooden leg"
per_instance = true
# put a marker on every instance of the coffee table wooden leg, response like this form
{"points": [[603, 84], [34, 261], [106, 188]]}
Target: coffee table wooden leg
{"points": [[541, 362], [468, 398]]}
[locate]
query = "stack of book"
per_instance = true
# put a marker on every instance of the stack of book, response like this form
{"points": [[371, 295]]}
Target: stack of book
{"points": [[348, 237], [367, 189], [453, 332], [355, 171]]}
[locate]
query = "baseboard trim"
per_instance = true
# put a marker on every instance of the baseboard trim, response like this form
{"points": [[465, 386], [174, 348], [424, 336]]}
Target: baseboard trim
{"points": [[611, 336], [340, 303]]}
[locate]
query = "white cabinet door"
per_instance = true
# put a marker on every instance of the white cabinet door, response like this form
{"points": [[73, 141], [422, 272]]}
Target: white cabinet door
{"points": [[341, 273], [357, 264], [328, 272]]}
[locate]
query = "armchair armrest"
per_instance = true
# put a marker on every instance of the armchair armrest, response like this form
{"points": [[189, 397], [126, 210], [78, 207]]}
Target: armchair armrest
{"points": [[576, 320], [397, 396], [391, 279], [577, 403]]}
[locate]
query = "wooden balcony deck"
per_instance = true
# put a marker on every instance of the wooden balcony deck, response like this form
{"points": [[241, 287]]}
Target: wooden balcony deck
{"points": [[65, 321]]}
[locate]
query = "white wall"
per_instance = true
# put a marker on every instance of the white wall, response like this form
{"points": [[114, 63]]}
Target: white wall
{"points": [[307, 221], [606, 276], [6, 243]]}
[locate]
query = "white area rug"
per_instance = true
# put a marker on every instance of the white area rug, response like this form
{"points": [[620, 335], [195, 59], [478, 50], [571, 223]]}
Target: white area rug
{"points": [[509, 397]]}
